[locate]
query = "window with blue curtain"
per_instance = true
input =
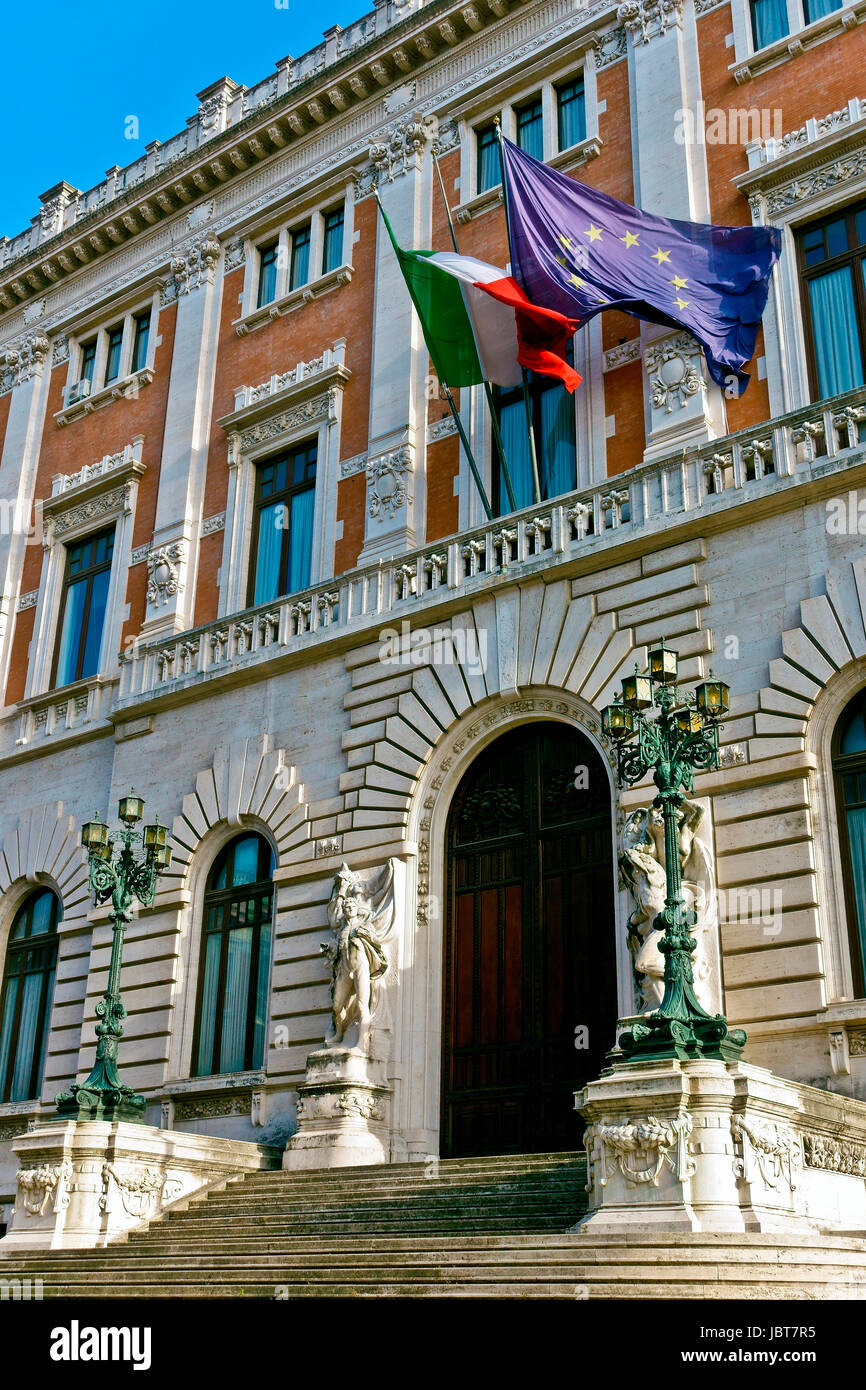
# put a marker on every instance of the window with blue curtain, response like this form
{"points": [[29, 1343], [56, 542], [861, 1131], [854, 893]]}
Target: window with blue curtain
{"points": [[488, 171], [300, 268], [849, 766], [26, 995], [833, 269], [114, 353], [769, 21], [283, 536], [332, 248], [267, 274], [571, 113], [235, 962], [140, 341], [530, 128], [816, 9], [85, 594], [553, 423]]}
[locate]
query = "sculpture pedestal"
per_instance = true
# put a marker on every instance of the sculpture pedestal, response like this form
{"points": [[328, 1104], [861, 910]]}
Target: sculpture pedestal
{"points": [[85, 1183], [719, 1146], [341, 1112]]}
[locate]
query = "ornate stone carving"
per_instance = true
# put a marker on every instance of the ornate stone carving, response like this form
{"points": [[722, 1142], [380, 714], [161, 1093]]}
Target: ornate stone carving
{"points": [[361, 914], [621, 355], [234, 256], [441, 429], [388, 481], [647, 19], [163, 573], [38, 1185], [834, 1155], [140, 1189], [396, 153], [640, 1150], [673, 372], [116, 500], [812, 183], [60, 351], [319, 408], [770, 1151], [195, 266], [731, 755], [213, 524], [610, 47], [641, 863], [21, 360], [349, 467], [857, 1042]]}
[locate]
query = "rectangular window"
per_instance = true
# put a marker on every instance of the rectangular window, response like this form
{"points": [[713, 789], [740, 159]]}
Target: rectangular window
{"points": [[267, 274], [283, 534], [332, 254], [88, 360], [833, 270], [85, 592], [571, 113], [530, 128], [115, 348], [555, 441], [489, 173], [769, 21], [140, 341], [300, 257]]}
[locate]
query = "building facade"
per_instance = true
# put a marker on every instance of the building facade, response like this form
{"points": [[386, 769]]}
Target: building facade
{"points": [[245, 570]]}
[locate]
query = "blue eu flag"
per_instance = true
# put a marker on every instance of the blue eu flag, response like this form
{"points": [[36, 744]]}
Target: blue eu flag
{"points": [[580, 251]]}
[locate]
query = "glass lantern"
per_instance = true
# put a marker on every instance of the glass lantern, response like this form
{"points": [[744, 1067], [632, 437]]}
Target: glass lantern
{"points": [[155, 836], [664, 665], [713, 697], [617, 721], [637, 691], [162, 857], [94, 834], [689, 721], [130, 808]]}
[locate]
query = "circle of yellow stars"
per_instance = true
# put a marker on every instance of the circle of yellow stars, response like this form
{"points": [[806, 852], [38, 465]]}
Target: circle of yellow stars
{"points": [[660, 256]]}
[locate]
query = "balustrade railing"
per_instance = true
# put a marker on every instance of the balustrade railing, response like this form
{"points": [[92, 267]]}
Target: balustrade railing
{"points": [[699, 479]]}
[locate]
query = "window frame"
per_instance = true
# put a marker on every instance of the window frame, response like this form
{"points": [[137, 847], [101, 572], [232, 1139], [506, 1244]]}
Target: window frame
{"points": [[22, 947], [805, 273], [214, 897], [269, 249], [843, 765], [283, 498], [539, 385], [478, 131], [558, 89], [520, 108], [329, 213], [68, 580], [302, 229]]}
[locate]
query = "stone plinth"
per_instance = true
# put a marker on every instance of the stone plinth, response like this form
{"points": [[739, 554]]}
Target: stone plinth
{"points": [[715, 1146], [85, 1183], [341, 1112]]}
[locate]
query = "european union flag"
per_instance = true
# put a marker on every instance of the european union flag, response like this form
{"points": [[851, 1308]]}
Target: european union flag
{"points": [[580, 251]]}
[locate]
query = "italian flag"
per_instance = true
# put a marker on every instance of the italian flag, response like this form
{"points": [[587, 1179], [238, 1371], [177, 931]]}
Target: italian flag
{"points": [[478, 323]]}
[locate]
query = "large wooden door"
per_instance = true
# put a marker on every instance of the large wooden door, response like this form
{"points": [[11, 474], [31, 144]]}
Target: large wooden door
{"points": [[529, 943]]}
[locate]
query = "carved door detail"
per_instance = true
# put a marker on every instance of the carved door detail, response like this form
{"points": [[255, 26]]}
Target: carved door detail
{"points": [[529, 943]]}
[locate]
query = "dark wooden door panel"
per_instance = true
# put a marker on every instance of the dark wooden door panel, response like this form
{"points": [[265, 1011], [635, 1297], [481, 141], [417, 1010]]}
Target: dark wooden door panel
{"points": [[529, 943]]}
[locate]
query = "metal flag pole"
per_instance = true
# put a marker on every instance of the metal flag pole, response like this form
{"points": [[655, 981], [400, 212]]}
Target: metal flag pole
{"points": [[455, 414], [494, 418], [536, 481]]}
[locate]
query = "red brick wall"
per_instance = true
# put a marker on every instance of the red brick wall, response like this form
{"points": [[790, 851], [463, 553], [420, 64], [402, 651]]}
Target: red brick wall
{"points": [[86, 440]]}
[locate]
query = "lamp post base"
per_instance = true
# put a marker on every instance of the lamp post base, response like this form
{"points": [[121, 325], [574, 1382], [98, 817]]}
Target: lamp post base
{"points": [[85, 1101], [656, 1037]]}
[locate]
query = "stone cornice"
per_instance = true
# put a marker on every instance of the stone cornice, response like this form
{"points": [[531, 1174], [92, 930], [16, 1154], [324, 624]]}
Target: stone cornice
{"points": [[281, 122], [806, 170]]}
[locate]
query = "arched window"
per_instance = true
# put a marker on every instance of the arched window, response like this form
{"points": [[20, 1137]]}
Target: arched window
{"points": [[849, 766], [235, 961], [27, 992]]}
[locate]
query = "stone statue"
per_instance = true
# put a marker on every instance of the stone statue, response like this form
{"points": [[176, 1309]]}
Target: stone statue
{"points": [[361, 914], [642, 864]]}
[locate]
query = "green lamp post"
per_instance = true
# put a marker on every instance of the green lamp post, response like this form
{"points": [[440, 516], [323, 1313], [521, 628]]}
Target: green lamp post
{"points": [[659, 728], [122, 878]]}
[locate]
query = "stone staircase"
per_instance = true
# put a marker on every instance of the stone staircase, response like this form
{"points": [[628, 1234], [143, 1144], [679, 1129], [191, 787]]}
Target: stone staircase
{"points": [[462, 1228]]}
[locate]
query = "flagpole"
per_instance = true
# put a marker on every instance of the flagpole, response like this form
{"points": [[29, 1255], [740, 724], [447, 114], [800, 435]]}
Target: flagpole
{"points": [[494, 418], [527, 403], [455, 414]]}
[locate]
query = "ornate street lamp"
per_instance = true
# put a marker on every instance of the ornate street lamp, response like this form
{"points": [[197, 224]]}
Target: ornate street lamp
{"points": [[103, 1096], [661, 729]]}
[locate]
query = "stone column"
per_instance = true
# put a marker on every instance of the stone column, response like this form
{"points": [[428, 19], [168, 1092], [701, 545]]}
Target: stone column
{"points": [[401, 169], [196, 281], [22, 368], [683, 406]]}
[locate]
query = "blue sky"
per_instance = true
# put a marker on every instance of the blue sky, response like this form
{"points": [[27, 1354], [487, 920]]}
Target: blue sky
{"points": [[75, 72]]}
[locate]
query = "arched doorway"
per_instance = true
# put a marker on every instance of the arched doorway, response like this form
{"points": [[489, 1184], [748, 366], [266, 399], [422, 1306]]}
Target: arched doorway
{"points": [[529, 942]]}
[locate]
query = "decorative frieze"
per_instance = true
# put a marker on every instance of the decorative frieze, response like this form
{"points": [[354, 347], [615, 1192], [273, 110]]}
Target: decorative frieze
{"points": [[213, 524], [834, 1155], [47, 1183], [349, 467], [287, 422], [441, 429], [767, 1151], [640, 1150], [621, 355], [28, 600], [103, 505]]}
